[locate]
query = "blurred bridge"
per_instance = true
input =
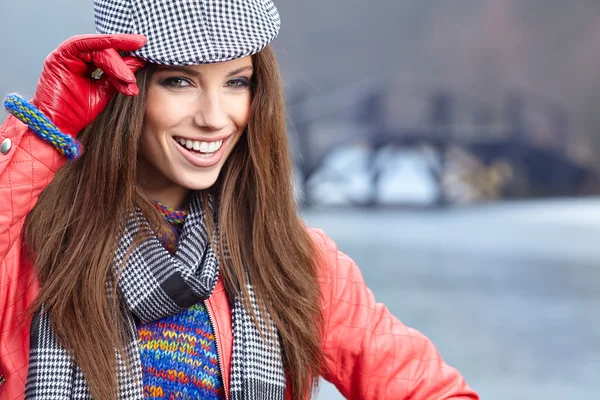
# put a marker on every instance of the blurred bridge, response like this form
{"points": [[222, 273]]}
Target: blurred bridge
{"points": [[525, 143]]}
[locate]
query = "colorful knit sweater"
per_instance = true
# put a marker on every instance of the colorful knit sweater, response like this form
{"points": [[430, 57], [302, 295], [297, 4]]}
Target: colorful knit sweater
{"points": [[179, 353]]}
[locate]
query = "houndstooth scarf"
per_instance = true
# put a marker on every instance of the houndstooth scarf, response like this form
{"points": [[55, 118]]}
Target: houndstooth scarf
{"points": [[154, 285]]}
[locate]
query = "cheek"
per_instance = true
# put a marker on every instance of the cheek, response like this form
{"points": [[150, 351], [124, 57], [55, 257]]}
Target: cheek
{"points": [[240, 115], [160, 113], [240, 111], [158, 120]]}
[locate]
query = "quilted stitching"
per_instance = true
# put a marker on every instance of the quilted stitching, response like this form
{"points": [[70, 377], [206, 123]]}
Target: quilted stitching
{"points": [[19, 289], [24, 172], [369, 354], [218, 305]]}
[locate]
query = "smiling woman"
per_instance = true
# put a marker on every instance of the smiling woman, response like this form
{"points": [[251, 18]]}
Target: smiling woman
{"points": [[167, 259]]}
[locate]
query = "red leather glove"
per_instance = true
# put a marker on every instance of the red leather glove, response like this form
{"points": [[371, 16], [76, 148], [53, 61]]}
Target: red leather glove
{"points": [[68, 95]]}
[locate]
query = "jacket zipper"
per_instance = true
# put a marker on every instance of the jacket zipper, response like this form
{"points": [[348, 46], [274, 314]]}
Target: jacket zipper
{"points": [[2, 380], [219, 354]]}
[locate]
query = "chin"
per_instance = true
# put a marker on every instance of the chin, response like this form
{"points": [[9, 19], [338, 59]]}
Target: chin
{"points": [[199, 183]]}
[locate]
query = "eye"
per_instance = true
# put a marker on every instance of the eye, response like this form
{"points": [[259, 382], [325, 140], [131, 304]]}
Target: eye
{"points": [[238, 83], [176, 82]]}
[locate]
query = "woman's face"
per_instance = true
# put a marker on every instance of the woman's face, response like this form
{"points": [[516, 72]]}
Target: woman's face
{"points": [[194, 117]]}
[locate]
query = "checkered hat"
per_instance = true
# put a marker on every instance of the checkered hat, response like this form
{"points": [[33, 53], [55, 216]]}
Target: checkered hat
{"points": [[187, 32]]}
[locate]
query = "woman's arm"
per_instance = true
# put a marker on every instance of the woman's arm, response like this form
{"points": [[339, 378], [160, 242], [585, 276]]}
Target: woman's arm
{"points": [[369, 354], [69, 100], [66, 100]]}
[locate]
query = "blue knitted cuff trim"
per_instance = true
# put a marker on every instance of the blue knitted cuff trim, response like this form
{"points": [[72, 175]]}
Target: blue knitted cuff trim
{"points": [[42, 126]]}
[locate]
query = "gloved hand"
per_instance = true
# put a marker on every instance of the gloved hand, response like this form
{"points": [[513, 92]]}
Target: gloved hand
{"points": [[66, 92]]}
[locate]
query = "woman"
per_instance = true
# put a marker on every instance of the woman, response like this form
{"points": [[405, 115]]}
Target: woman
{"points": [[166, 258]]}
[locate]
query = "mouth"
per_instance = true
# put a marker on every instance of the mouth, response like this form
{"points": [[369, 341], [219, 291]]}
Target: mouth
{"points": [[201, 148], [200, 153]]}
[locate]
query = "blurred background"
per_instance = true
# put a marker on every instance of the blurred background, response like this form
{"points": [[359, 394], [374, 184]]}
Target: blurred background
{"points": [[449, 147]]}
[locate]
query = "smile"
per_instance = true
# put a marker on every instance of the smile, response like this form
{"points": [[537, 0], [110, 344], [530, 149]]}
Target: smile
{"points": [[202, 147]]}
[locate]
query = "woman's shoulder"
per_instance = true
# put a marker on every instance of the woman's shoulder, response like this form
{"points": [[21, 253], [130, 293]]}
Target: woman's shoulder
{"points": [[332, 264], [320, 239], [326, 250]]}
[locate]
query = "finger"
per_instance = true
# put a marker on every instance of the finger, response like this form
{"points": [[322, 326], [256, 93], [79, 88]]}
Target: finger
{"points": [[134, 63], [130, 89], [113, 65], [111, 84], [124, 42], [89, 43], [125, 86], [119, 71]]}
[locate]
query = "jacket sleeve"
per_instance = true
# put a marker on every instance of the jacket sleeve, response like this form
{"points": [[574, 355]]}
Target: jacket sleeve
{"points": [[368, 353], [25, 170]]}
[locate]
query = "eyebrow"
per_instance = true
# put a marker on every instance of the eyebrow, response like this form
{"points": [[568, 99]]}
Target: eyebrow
{"points": [[195, 73]]}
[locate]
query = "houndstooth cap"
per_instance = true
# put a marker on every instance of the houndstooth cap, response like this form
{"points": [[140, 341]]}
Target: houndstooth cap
{"points": [[187, 32]]}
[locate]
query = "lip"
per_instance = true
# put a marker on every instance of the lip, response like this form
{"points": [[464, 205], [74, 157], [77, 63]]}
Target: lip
{"points": [[212, 139], [201, 161]]}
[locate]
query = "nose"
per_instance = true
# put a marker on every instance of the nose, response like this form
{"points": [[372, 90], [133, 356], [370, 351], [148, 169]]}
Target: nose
{"points": [[211, 114]]}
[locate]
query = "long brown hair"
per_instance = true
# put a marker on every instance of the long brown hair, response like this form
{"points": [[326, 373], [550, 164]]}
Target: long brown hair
{"points": [[72, 234]]}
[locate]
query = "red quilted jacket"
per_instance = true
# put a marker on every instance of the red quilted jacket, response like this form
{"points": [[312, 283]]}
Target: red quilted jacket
{"points": [[369, 354]]}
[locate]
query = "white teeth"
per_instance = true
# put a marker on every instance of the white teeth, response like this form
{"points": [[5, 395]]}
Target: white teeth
{"points": [[201, 146]]}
